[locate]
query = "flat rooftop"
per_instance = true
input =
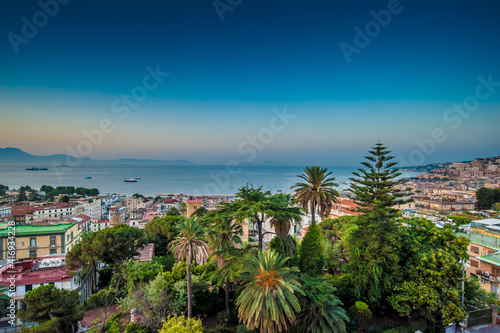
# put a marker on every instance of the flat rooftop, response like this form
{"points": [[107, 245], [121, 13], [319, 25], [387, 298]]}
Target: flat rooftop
{"points": [[27, 229], [485, 240]]}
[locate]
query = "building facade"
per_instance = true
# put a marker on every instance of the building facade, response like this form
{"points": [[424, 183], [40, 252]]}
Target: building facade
{"points": [[34, 241]]}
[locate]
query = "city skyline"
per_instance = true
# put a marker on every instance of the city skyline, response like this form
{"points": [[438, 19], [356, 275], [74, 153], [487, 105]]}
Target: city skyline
{"points": [[215, 81]]}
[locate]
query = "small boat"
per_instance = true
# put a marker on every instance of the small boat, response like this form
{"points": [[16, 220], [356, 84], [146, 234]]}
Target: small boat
{"points": [[88, 177], [62, 166], [37, 169], [130, 180], [138, 178]]}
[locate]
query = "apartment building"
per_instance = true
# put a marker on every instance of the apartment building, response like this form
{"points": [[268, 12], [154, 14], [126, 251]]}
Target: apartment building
{"points": [[484, 257], [91, 208], [55, 211], [34, 241], [426, 205]]}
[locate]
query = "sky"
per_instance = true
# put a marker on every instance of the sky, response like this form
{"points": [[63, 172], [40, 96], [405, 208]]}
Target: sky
{"points": [[295, 82]]}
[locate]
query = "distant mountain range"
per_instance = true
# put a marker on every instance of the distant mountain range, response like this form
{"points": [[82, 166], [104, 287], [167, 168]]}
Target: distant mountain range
{"points": [[16, 155]]}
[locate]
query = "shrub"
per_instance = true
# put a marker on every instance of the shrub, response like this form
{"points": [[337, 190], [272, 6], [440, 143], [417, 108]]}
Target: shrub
{"points": [[243, 329], [182, 324]]}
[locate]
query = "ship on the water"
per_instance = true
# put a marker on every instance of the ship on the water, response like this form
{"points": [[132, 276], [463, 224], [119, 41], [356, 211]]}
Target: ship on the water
{"points": [[37, 169], [130, 180]]}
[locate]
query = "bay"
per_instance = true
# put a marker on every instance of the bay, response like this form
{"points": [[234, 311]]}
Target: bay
{"points": [[158, 178]]}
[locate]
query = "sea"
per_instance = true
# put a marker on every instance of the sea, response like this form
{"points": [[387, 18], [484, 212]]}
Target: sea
{"points": [[158, 178]]}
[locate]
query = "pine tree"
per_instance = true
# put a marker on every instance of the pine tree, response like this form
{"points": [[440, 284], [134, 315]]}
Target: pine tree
{"points": [[372, 237], [375, 189]]}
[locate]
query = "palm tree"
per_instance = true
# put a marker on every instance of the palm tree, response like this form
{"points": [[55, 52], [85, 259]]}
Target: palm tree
{"points": [[322, 311], [183, 208], [4, 300], [317, 191], [268, 300], [362, 312], [224, 236], [283, 218], [187, 245]]}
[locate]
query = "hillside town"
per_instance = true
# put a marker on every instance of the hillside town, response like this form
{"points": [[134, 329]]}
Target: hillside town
{"points": [[45, 231]]}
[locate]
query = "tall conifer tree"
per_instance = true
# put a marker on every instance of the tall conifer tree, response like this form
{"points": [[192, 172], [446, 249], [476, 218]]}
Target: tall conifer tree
{"points": [[372, 237]]}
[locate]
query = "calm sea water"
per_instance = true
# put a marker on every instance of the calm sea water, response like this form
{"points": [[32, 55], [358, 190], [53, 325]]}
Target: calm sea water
{"points": [[160, 178]]}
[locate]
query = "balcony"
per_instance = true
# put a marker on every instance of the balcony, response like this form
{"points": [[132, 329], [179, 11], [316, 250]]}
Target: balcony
{"points": [[32, 247], [486, 276]]}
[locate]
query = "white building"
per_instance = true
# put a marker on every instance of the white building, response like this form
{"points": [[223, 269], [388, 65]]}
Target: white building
{"points": [[55, 211], [5, 211], [91, 207]]}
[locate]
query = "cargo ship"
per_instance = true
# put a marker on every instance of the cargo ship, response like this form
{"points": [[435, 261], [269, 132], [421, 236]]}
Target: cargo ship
{"points": [[37, 169]]}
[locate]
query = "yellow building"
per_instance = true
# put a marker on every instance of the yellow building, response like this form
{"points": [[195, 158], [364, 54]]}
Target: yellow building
{"points": [[192, 206], [484, 257], [444, 207], [34, 241]]}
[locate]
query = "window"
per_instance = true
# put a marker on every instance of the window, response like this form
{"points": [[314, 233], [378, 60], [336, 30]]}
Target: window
{"points": [[72, 235], [495, 271], [53, 251], [28, 287], [474, 249], [491, 251], [53, 241], [33, 243], [33, 254], [474, 263]]}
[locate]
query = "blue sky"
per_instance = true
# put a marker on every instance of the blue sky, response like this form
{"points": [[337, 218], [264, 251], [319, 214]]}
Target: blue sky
{"points": [[227, 76]]}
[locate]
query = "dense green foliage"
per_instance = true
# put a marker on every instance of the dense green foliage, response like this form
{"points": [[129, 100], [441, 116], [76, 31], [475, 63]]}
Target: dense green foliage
{"points": [[21, 196], [432, 273], [3, 189], [487, 197], [335, 248], [4, 300], [47, 303], [109, 246], [311, 257], [51, 192], [161, 232], [288, 247], [322, 311], [104, 298]]}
